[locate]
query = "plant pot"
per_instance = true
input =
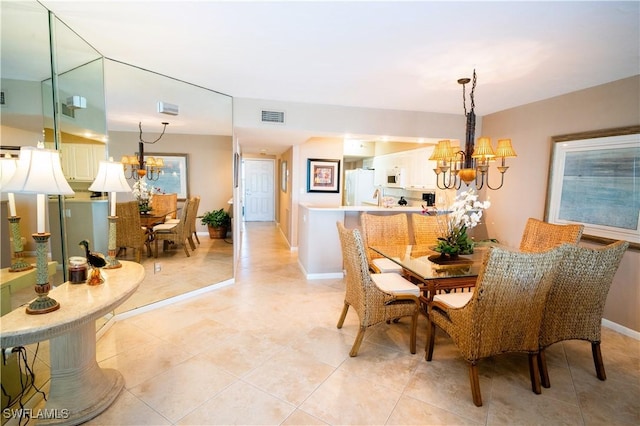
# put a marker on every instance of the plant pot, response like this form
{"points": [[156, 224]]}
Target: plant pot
{"points": [[217, 232]]}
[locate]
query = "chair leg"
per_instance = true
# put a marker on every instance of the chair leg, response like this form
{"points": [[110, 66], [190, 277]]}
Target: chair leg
{"points": [[431, 337], [356, 345], [343, 315], [186, 250], [475, 384], [192, 243], [534, 373], [197, 239], [597, 360], [156, 251], [414, 331], [542, 366]]}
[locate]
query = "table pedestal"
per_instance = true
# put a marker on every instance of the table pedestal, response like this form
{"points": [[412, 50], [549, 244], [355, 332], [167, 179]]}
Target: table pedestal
{"points": [[80, 389]]}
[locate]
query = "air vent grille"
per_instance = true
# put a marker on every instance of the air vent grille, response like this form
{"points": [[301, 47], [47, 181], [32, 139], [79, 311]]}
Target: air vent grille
{"points": [[69, 112], [273, 117], [2, 98]]}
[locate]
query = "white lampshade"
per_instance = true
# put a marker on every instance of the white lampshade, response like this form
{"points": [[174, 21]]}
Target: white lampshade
{"points": [[38, 172], [110, 178], [8, 167]]}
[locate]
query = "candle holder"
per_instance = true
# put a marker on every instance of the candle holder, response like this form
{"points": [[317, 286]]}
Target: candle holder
{"points": [[112, 262], [43, 303], [19, 263]]}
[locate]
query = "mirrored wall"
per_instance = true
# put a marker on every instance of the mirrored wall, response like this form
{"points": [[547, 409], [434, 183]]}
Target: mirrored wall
{"points": [[90, 108]]}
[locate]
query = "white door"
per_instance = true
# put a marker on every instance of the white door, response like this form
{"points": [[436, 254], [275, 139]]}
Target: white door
{"points": [[258, 190]]}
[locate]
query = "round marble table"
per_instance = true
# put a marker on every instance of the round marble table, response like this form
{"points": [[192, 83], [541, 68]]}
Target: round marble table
{"points": [[80, 389]]}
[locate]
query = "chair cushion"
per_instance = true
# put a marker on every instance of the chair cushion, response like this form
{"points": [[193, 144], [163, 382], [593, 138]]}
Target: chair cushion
{"points": [[164, 227], [395, 284], [172, 221], [385, 265], [453, 300]]}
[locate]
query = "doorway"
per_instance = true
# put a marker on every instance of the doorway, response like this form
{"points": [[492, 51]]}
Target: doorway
{"points": [[258, 186]]}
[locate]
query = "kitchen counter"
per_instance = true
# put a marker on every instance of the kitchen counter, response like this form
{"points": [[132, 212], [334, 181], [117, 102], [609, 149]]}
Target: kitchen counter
{"points": [[319, 252]]}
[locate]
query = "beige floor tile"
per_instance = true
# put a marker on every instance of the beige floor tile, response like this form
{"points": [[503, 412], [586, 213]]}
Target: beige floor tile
{"points": [[411, 411], [345, 399], [240, 404], [182, 388], [290, 375], [299, 417], [121, 337], [128, 410]]}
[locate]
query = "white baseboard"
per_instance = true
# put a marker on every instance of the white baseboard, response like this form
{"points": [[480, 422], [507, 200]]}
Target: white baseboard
{"points": [[621, 329], [171, 300], [321, 276]]}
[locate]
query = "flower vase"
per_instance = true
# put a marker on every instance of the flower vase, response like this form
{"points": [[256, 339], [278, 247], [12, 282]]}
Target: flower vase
{"points": [[143, 207]]}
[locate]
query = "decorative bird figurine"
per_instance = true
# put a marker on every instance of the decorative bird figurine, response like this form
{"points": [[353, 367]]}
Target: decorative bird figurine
{"points": [[97, 261]]}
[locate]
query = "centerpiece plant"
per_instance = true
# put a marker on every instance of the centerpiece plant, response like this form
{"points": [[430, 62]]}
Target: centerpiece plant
{"points": [[143, 192], [464, 214]]}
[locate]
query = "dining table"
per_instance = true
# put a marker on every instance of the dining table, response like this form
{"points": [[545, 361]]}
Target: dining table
{"points": [[432, 273], [148, 220]]}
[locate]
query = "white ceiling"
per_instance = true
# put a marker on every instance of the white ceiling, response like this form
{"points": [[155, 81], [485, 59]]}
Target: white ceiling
{"points": [[390, 55]]}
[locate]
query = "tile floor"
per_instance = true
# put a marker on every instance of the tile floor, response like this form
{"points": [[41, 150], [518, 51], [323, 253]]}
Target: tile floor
{"points": [[266, 351]]}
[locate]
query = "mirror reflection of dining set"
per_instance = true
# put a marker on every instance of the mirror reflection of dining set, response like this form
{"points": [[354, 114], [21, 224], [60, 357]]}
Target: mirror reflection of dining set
{"points": [[549, 289], [166, 223]]}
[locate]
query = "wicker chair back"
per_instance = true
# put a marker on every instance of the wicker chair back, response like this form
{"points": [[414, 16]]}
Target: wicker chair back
{"points": [[540, 236]]}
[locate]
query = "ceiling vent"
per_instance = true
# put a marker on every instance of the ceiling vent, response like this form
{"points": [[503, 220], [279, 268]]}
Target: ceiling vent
{"points": [[273, 117], [167, 108]]}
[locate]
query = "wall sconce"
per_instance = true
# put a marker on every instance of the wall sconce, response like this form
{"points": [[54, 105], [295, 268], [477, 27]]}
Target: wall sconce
{"points": [[39, 172], [136, 166]]}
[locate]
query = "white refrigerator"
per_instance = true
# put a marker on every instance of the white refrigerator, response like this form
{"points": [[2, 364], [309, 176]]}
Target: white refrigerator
{"points": [[359, 188]]}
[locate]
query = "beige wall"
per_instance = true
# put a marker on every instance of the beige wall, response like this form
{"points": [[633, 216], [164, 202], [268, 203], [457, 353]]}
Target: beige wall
{"points": [[531, 127]]}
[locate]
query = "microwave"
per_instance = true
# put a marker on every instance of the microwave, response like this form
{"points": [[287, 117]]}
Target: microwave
{"points": [[396, 178]]}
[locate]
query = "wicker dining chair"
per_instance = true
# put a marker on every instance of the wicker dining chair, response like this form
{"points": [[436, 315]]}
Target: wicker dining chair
{"points": [[176, 233], [166, 203], [372, 304], [426, 228], [129, 231], [191, 220], [539, 236], [383, 230], [503, 314], [576, 300]]}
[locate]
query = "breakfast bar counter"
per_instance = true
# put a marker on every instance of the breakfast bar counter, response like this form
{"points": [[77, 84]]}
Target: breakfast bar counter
{"points": [[319, 252]]}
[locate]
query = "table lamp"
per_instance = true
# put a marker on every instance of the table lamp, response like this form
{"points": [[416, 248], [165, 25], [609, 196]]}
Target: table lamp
{"points": [[111, 179], [39, 172], [7, 169]]}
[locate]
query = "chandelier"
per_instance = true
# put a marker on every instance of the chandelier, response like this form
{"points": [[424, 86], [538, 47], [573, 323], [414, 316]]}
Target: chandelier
{"points": [[136, 166], [471, 165]]}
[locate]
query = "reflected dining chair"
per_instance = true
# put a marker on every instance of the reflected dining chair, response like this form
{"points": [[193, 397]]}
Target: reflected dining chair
{"points": [[166, 203], [176, 233], [539, 236], [576, 300], [383, 230], [376, 298], [191, 220], [426, 228], [129, 231], [503, 314]]}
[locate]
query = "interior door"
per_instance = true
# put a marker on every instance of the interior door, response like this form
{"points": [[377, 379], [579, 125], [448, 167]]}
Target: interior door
{"points": [[259, 190]]}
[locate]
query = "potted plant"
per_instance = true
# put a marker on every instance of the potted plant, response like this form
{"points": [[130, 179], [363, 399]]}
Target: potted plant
{"points": [[218, 222]]}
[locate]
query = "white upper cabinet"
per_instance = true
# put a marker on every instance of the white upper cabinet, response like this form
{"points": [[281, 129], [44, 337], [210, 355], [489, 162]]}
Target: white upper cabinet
{"points": [[80, 162]]}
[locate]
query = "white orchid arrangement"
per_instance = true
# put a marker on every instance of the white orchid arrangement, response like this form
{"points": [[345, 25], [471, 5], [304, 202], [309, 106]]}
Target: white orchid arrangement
{"points": [[143, 191], [465, 213]]}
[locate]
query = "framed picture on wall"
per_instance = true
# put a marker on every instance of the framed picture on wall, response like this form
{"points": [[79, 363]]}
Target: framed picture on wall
{"points": [[174, 175], [595, 180], [323, 175]]}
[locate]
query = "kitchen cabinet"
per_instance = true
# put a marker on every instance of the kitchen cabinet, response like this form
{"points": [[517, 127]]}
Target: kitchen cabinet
{"points": [[80, 162], [417, 164]]}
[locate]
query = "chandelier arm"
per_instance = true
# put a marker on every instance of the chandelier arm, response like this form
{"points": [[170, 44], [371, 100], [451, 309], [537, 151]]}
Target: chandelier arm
{"points": [[501, 181], [164, 123]]}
